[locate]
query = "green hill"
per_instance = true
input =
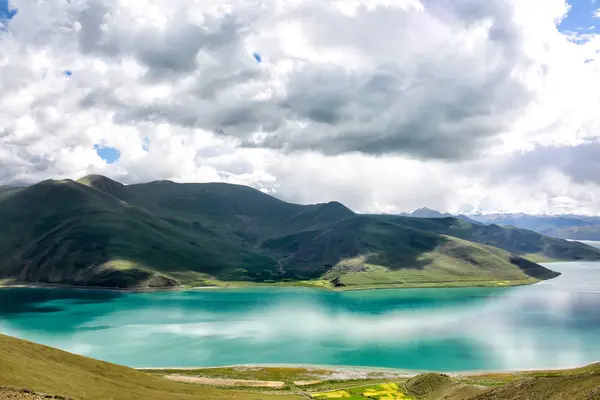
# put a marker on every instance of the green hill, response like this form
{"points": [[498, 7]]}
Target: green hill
{"points": [[523, 242], [42, 369], [98, 232], [69, 233], [367, 252], [239, 210]]}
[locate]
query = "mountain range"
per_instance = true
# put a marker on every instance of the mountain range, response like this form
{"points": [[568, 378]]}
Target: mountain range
{"points": [[576, 227], [568, 226], [99, 232], [425, 212]]}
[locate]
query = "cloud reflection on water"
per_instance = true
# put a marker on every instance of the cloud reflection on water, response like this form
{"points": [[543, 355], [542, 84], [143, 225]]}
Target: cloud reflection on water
{"points": [[549, 325]]}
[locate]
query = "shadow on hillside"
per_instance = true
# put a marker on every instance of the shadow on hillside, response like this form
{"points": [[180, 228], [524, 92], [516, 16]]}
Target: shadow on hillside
{"points": [[310, 254]]}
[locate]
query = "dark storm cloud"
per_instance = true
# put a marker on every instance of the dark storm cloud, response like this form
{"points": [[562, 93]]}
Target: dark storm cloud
{"points": [[581, 163]]}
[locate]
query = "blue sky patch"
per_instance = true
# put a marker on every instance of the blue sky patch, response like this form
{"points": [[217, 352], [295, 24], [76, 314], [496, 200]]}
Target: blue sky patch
{"points": [[109, 154], [146, 143], [582, 17], [257, 57], [6, 14]]}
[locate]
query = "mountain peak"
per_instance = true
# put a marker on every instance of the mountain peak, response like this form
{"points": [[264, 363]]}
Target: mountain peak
{"points": [[95, 179], [337, 206], [425, 212], [110, 187], [98, 181], [425, 209]]}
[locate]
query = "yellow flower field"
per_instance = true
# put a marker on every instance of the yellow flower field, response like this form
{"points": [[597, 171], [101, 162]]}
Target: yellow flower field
{"points": [[383, 391]]}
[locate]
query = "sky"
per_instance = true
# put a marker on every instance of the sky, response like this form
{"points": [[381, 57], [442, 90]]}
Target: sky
{"points": [[383, 105]]}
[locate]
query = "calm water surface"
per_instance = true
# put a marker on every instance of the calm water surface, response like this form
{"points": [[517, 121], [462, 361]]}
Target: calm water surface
{"points": [[553, 324]]}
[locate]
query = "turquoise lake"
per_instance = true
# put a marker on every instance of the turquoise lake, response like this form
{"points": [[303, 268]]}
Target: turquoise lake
{"points": [[553, 324]]}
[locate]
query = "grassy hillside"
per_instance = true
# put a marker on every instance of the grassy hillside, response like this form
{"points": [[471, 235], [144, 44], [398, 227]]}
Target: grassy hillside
{"points": [[577, 384], [98, 232], [579, 233], [46, 370], [31, 371], [366, 252], [237, 210], [69, 233], [432, 386], [522, 242]]}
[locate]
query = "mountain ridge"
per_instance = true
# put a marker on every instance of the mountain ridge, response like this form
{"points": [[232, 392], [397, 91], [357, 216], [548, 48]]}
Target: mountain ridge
{"points": [[565, 226], [568, 226], [99, 232]]}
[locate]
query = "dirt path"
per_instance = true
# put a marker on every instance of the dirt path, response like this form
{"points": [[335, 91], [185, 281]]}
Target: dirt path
{"points": [[225, 382], [306, 383]]}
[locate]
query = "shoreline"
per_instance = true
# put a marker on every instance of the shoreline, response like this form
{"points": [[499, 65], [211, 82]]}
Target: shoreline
{"points": [[324, 367], [447, 285], [364, 369], [102, 288]]}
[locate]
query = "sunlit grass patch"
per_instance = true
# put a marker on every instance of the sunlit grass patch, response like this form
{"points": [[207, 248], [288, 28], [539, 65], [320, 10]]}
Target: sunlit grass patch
{"points": [[6, 281], [121, 265]]}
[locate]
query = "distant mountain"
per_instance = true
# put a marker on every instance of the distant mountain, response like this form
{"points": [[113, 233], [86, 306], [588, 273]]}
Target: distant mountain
{"points": [[593, 243], [425, 212], [469, 220], [5, 190], [98, 232], [576, 227]]}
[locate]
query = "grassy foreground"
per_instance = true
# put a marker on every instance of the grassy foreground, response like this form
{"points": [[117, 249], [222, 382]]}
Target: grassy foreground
{"points": [[50, 371], [573, 384], [32, 371]]}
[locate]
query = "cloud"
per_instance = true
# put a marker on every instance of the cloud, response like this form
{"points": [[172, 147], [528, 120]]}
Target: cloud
{"points": [[383, 105], [437, 96], [580, 163]]}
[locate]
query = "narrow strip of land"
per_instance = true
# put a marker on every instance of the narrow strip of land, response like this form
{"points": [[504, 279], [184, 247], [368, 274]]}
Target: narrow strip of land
{"points": [[225, 382]]}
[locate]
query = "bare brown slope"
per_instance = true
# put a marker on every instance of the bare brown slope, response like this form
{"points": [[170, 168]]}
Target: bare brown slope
{"points": [[43, 369], [576, 384], [433, 386], [580, 386]]}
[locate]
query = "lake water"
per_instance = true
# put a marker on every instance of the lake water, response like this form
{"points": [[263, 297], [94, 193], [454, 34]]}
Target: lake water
{"points": [[553, 324]]}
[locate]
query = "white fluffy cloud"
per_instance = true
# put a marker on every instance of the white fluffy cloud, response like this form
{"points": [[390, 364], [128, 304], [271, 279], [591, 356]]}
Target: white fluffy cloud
{"points": [[385, 105]]}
